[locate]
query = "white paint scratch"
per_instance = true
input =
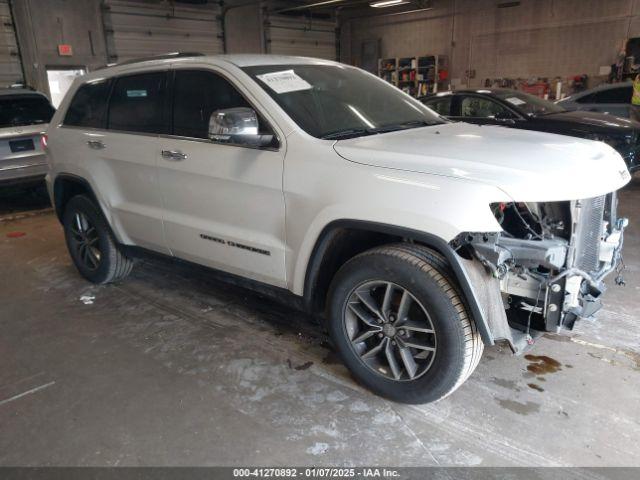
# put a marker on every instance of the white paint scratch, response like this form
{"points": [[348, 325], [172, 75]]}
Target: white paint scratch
{"points": [[28, 392]]}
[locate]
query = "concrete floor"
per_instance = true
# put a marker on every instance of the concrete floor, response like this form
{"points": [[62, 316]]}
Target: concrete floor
{"points": [[173, 367]]}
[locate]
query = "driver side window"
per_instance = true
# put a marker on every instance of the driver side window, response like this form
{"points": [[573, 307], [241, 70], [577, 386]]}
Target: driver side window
{"points": [[196, 95], [479, 107]]}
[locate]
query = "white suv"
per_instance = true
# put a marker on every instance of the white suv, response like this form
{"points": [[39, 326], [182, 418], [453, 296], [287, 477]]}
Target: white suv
{"points": [[417, 240]]}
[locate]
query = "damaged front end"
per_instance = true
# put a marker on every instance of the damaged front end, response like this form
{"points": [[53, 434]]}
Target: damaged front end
{"points": [[546, 269]]}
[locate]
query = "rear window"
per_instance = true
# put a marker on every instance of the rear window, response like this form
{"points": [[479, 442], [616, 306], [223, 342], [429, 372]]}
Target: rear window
{"points": [[136, 104], [89, 105], [20, 110]]}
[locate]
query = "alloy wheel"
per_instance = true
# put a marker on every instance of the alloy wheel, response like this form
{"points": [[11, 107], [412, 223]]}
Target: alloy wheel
{"points": [[389, 330], [86, 241]]}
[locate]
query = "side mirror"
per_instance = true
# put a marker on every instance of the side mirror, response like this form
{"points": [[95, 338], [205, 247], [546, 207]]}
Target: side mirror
{"points": [[237, 126]]}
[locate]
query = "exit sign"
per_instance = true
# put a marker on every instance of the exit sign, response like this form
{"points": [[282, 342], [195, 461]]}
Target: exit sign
{"points": [[65, 50]]}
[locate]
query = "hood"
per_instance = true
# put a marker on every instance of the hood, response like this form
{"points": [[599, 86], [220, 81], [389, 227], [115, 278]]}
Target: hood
{"points": [[527, 166], [593, 121], [22, 130]]}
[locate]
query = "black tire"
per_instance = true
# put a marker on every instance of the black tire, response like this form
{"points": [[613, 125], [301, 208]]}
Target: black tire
{"points": [[104, 262], [428, 278]]}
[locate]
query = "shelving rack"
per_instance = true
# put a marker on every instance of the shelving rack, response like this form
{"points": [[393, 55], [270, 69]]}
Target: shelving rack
{"points": [[416, 76], [388, 69]]}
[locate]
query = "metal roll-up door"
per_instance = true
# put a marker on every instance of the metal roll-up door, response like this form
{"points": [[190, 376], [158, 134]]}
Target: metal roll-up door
{"points": [[10, 63], [135, 29], [301, 36]]}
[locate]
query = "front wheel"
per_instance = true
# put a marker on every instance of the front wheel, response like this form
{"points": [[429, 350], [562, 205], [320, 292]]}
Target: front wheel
{"points": [[400, 324]]}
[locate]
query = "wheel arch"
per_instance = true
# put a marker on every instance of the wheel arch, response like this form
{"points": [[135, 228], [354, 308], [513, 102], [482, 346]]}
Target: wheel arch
{"points": [[340, 240], [66, 186]]}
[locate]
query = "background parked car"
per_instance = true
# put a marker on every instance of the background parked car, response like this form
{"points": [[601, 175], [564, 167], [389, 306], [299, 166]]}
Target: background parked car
{"points": [[520, 110], [614, 99], [24, 115]]}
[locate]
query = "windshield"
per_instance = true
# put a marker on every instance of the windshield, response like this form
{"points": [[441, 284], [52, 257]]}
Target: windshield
{"points": [[17, 110], [528, 104], [333, 101]]}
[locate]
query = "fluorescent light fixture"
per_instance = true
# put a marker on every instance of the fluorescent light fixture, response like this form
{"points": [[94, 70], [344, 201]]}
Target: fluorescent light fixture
{"points": [[387, 3]]}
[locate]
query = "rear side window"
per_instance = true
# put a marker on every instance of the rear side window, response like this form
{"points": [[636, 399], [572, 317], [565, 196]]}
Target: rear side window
{"points": [[89, 105], [196, 95], [20, 110], [136, 103]]}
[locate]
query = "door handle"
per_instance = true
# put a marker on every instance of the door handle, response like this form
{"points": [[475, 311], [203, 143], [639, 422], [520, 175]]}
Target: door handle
{"points": [[96, 144], [173, 155]]}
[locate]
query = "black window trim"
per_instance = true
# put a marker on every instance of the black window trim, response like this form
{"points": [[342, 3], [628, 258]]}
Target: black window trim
{"points": [[215, 71], [168, 107], [113, 79]]}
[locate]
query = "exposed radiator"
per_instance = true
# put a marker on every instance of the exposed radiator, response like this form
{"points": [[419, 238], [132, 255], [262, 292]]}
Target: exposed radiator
{"points": [[589, 232]]}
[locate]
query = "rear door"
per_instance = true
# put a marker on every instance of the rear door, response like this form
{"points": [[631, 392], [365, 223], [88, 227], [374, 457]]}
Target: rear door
{"points": [[224, 204], [115, 146]]}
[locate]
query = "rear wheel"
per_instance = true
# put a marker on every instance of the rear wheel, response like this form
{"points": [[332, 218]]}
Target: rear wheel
{"points": [[400, 324], [91, 244]]}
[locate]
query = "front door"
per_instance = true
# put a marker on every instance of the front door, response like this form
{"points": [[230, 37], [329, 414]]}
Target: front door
{"points": [[223, 204], [481, 110]]}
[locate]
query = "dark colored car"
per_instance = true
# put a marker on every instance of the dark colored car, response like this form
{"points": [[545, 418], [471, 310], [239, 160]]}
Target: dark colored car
{"points": [[515, 109]]}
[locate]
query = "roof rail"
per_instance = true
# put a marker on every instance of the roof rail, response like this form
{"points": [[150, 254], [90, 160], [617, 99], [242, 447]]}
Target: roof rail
{"points": [[165, 56]]}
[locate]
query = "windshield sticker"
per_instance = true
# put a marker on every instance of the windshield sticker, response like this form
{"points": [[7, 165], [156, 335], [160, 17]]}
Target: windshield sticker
{"points": [[284, 82], [515, 101]]}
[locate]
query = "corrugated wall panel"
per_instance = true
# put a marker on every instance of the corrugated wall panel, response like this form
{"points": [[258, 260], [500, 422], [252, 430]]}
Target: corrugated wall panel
{"points": [[138, 29], [10, 67], [299, 36]]}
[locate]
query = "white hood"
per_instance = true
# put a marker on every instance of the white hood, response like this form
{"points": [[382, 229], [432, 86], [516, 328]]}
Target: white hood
{"points": [[527, 166]]}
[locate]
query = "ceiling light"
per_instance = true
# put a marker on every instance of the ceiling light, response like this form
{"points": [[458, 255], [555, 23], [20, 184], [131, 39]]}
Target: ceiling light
{"points": [[387, 3]]}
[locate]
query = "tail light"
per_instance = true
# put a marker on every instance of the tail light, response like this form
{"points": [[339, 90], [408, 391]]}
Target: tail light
{"points": [[43, 141]]}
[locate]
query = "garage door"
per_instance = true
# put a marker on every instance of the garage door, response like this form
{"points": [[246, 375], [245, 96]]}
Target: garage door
{"points": [[10, 67], [300, 36], [136, 29]]}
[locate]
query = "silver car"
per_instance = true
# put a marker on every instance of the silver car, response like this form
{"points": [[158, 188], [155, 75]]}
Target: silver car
{"points": [[612, 98], [24, 116]]}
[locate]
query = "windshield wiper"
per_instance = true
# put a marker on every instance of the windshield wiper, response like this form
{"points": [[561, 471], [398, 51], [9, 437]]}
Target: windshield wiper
{"points": [[359, 132], [400, 126], [350, 133]]}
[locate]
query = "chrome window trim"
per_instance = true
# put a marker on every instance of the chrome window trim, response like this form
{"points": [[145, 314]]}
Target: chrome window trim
{"points": [[169, 137], [211, 142], [106, 131]]}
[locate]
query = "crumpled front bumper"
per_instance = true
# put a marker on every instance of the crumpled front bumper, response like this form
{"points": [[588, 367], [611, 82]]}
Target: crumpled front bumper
{"points": [[558, 300]]}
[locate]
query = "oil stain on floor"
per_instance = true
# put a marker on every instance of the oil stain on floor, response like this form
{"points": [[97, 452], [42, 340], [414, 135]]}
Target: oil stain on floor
{"points": [[541, 364]]}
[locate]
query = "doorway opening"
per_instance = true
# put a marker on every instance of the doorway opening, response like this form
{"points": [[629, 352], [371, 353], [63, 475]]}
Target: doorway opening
{"points": [[60, 80]]}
